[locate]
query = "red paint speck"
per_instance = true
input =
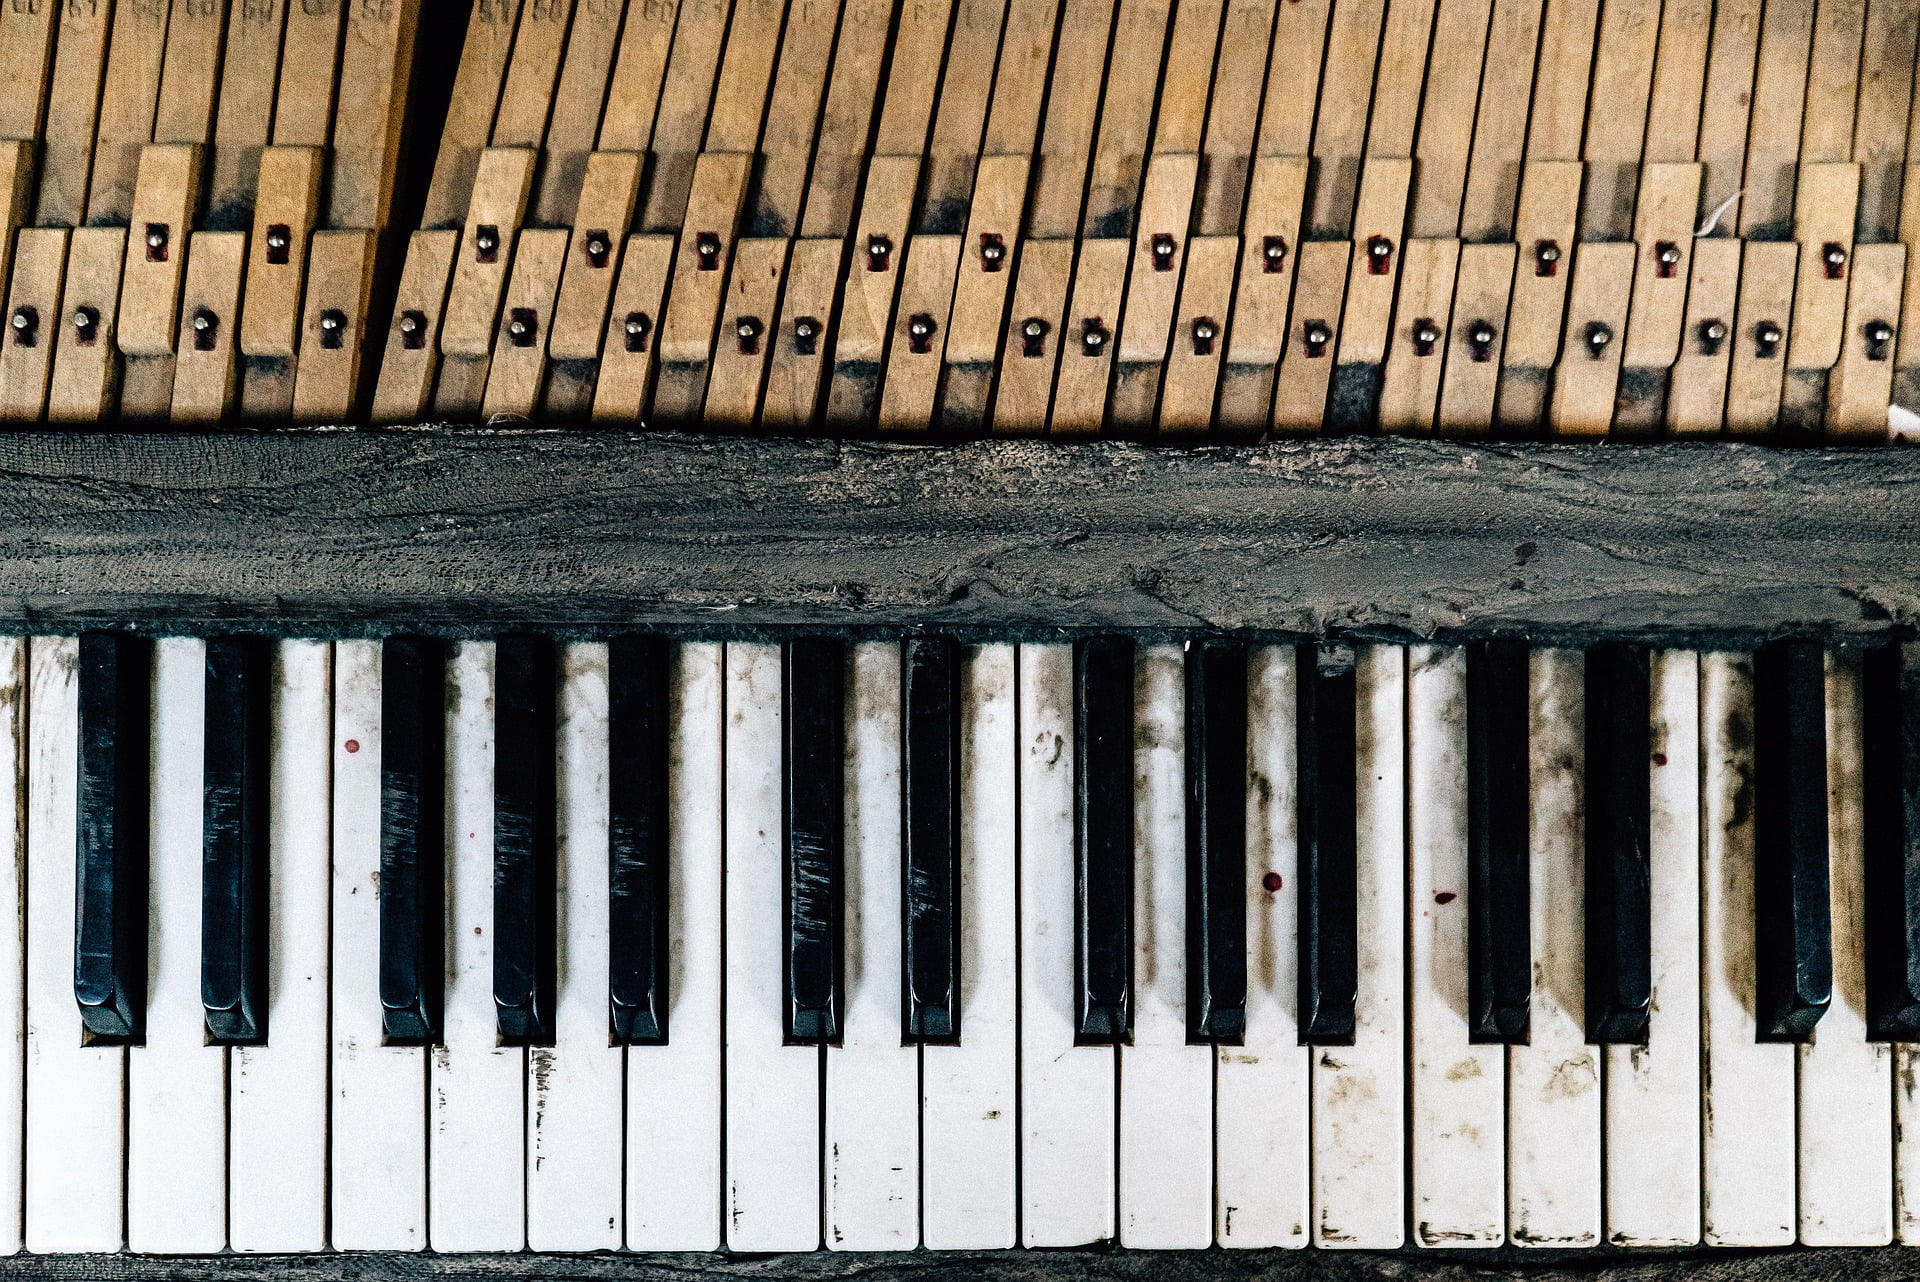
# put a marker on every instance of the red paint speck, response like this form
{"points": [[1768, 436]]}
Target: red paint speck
{"points": [[476, 930], [1659, 758], [1445, 897], [1745, 99], [353, 745], [1271, 883]]}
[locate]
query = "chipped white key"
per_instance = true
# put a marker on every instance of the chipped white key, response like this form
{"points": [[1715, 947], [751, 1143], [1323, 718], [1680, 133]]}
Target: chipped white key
{"points": [[13, 971]]}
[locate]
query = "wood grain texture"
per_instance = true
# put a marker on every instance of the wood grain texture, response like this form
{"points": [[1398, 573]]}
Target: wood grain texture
{"points": [[342, 532]]}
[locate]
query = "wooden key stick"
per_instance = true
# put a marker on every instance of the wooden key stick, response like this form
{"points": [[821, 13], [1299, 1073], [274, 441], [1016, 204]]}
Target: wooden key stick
{"points": [[746, 338], [1663, 223], [639, 74], [1588, 374], [1417, 347], [808, 306], [1823, 225], [333, 333], [574, 121], [1153, 287], [601, 216], [16, 195], [1500, 124], [1697, 392], [206, 360], [190, 76], [277, 258], [1779, 95], [1862, 384], [1372, 277], [1907, 351], [1761, 332], [309, 73], [980, 292], [1339, 132], [243, 118], [526, 98], [1199, 336], [1037, 337], [500, 189], [1086, 340], [73, 109], [519, 365], [916, 350], [701, 264], [1073, 105], [631, 351], [374, 79], [1679, 80], [86, 364], [1886, 103], [1269, 250], [1313, 336], [469, 121], [1622, 81], [1446, 119], [873, 277], [680, 125], [405, 385], [164, 198], [1239, 78], [793, 105], [1544, 231], [1476, 339], [26, 64], [128, 96], [1126, 115], [32, 321]]}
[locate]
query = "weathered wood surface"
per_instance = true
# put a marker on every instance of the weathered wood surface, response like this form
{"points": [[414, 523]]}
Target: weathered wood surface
{"points": [[344, 531]]}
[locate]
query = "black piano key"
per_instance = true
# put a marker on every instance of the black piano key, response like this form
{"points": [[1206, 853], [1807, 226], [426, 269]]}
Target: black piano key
{"points": [[526, 682], [637, 678], [1217, 841], [413, 763], [815, 721], [1619, 711], [1499, 926], [931, 765], [110, 918], [233, 875], [1891, 788], [1103, 840], [1329, 844], [1793, 934]]}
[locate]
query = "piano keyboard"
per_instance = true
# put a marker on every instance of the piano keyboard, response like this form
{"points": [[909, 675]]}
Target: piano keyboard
{"points": [[658, 945], [1226, 218]]}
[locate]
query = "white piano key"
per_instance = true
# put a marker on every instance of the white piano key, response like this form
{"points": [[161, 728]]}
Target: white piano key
{"points": [[1166, 1086], [176, 1082], [1067, 1158], [1553, 1082], [277, 1140], [873, 1081], [1653, 1091], [773, 1090], [1359, 1091], [1906, 1142], [1459, 1089], [673, 1090], [379, 1118], [476, 1193], [574, 1159], [968, 1169], [1846, 1082], [75, 1094], [13, 976], [1747, 1182], [1260, 1105]]}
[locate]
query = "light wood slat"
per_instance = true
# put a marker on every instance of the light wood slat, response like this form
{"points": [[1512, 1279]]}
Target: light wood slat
{"points": [[205, 378], [680, 126], [1339, 131], [1447, 117], [1587, 378], [746, 72], [1779, 102], [1561, 79], [639, 74], [526, 96], [1186, 71], [793, 108], [1766, 296], [960, 115], [374, 78], [1398, 77], [190, 74], [839, 153], [1073, 106], [1697, 394], [39, 271], [1126, 116], [309, 75], [1286, 111], [470, 111], [128, 99], [1833, 81], [1886, 99], [1482, 289], [1500, 123], [1238, 78], [1679, 81], [73, 109], [26, 61], [1020, 80], [1622, 84], [918, 47], [1726, 106], [1862, 383], [243, 118], [1410, 387], [574, 123]]}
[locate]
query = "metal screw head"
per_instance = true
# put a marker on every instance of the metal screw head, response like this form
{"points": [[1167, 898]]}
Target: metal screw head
{"points": [[1318, 334], [1203, 331], [747, 327], [636, 326], [993, 251], [1767, 332], [1835, 256], [1549, 253], [1094, 339], [1715, 331], [81, 320], [1598, 336], [277, 240], [155, 240], [708, 248], [1380, 247], [330, 322], [803, 328], [1879, 332], [597, 246], [1670, 255], [517, 328], [21, 320], [203, 322], [408, 324], [920, 327], [1034, 327], [1426, 334], [1480, 334], [1275, 250]]}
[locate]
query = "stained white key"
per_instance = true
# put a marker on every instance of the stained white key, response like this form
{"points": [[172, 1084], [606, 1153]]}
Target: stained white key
{"points": [[176, 1083], [277, 1093], [1459, 1089], [475, 1087], [1553, 1082], [1846, 1083], [1260, 1087], [13, 975], [1067, 1158], [673, 1091], [1653, 1091], [968, 1168], [574, 1143], [773, 1090], [1747, 1182], [873, 1081], [1359, 1091], [75, 1094], [379, 1118], [1166, 1086]]}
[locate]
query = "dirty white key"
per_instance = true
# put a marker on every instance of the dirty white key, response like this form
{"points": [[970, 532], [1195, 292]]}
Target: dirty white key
{"points": [[176, 1083], [873, 1081], [475, 1087], [673, 1090], [1747, 1189], [773, 1090], [1846, 1082], [1459, 1089], [75, 1094], [1653, 1091], [968, 1168], [1260, 1086], [277, 1093], [1359, 1091], [1166, 1086], [575, 1086], [1067, 1160], [1553, 1082], [379, 1122], [13, 976]]}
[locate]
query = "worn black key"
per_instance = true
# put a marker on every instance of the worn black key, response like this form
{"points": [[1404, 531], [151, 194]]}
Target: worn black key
{"points": [[637, 671], [1793, 935], [1619, 711], [1217, 841], [233, 872], [1891, 785], [110, 919], [413, 760], [815, 724], [526, 682], [1329, 844], [1499, 928], [931, 765], [1103, 840]]}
